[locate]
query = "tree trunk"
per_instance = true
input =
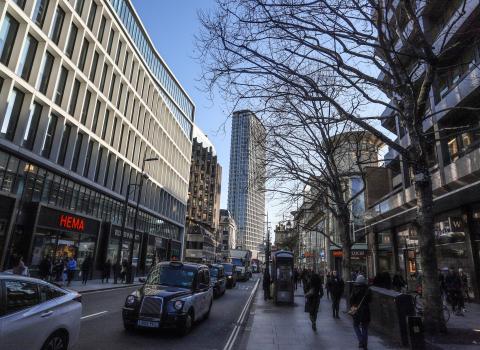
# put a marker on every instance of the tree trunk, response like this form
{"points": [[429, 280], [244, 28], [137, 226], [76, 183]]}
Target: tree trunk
{"points": [[344, 230], [433, 306]]}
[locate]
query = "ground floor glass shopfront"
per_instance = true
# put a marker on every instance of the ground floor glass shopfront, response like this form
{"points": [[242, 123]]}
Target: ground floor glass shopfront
{"points": [[43, 213]]}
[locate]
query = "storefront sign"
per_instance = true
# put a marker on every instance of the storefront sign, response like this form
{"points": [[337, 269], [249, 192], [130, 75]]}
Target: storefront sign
{"points": [[354, 253], [58, 220], [72, 222]]}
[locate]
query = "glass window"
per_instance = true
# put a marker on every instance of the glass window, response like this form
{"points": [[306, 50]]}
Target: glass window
{"points": [[119, 97], [93, 71], [47, 143], [32, 125], [20, 295], [125, 62], [27, 57], [79, 6], [64, 144], [8, 33], [74, 97], [119, 51], [101, 31], [72, 39], [110, 42], [107, 170], [11, 114], [62, 81], [86, 169], [39, 12], [105, 124], [83, 55], [57, 25], [112, 86], [99, 162], [20, 3], [104, 77], [76, 151], [48, 293], [95, 116], [45, 72], [86, 104], [114, 129], [91, 15]]}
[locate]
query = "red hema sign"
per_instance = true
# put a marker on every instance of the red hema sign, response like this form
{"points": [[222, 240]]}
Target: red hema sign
{"points": [[72, 223]]}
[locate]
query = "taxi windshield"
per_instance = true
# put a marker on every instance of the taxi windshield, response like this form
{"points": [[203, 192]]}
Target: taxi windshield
{"points": [[213, 272], [171, 276], [228, 267]]}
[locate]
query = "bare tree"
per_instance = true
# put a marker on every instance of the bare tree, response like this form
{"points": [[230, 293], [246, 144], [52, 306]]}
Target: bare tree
{"points": [[375, 54]]}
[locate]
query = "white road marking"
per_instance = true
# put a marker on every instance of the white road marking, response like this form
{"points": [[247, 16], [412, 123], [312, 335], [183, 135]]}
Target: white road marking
{"points": [[92, 315], [233, 336]]}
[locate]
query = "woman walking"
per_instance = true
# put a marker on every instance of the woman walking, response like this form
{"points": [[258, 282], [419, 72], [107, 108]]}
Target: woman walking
{"points": [[312, 298], [107, 266], [360, 310]]}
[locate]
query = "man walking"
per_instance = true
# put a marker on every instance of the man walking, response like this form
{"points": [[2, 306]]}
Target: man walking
{"points": [[71, 267], [453, 284], [266, 285], [312, 298], [336, 287], [86, 264]]}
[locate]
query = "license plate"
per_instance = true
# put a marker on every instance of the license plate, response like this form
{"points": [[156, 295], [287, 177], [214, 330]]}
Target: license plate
{"points": [[149, 324]]}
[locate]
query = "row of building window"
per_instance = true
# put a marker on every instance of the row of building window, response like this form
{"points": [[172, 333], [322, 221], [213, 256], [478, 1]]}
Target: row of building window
{"points": [[143, 122]]}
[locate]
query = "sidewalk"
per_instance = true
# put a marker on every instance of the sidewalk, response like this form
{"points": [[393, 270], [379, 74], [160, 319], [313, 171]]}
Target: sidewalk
{"points": [[463, 331], [96, 285], [272, 327]]}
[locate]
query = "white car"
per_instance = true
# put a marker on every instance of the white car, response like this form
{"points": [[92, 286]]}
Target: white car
{"points": [[37, 315]]}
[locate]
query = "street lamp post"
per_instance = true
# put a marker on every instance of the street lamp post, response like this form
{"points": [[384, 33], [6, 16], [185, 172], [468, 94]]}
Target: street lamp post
{"points": [[139, 197], [120, 245]]}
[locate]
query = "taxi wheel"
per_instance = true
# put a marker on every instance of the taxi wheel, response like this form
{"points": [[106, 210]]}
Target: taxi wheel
{"points": [[187, 326], [128, 327], [209, 309], [57, 341]]}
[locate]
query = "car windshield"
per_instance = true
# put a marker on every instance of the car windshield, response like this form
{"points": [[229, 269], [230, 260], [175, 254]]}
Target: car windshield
{"points": [[213, 272], [228, 267], [171, 276], [237, 262]]}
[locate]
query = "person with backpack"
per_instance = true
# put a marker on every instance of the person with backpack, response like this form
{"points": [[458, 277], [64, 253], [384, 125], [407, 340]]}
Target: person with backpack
{"points": [[336, 287], [360, 310]]}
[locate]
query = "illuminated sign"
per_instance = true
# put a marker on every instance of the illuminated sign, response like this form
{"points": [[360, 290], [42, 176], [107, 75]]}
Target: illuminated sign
{"points": [[72, 223]]}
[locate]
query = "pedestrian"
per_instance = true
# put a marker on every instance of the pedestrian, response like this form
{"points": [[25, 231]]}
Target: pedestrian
{"points": [[336, 287], [305, 281], [398, 282], [107, 266], [123, 271], [312, 298], [327, 284], [266, 285], [71, 267], [464, 279], [86, 266], [19, 267], [453, 283], [360, 310], [296, 276], [45, 268], [58, 270]]}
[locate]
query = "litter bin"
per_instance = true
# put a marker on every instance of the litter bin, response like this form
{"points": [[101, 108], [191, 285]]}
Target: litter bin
{"points": [[416, 340]]}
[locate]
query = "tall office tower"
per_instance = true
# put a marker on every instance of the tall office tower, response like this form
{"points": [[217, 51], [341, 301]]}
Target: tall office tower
{"points": [[85, 100], [246, 184], [203, 206]]}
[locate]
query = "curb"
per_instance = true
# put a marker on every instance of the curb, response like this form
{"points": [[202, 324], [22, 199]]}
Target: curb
{"points": [[107, 289]]}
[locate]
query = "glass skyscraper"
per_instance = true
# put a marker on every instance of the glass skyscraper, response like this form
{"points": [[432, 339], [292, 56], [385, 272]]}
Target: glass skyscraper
{"points": [[246, 184]]}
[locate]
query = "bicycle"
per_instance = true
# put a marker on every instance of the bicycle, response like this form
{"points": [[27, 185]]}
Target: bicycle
{"points": [[419, 307]]}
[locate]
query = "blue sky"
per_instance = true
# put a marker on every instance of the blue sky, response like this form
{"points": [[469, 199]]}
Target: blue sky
{"points": [[172, 25]]}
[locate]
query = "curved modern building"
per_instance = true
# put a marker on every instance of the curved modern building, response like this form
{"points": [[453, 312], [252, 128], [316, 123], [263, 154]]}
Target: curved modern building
{"points": [[85, 99]]}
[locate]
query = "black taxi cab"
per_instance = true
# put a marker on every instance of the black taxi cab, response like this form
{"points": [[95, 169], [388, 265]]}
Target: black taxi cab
{"points": [[174, 295]]}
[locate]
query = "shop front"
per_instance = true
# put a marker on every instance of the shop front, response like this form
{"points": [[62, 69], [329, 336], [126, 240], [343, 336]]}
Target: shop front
{"points": [[358, 261], [114, 249], [61, 235]]}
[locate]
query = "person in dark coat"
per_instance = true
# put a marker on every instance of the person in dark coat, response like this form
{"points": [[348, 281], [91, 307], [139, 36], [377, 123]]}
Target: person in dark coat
{"points": [[453, 283], [296, 277], [306, 281], [107, 267], [327, 284], [266, 285], [312, 298], [336, 287], [360, 298], [45, 268], [86, 266], [398, 282]]}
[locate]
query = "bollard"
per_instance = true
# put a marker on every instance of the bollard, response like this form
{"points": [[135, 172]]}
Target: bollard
{"points": [[416, 340]]}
